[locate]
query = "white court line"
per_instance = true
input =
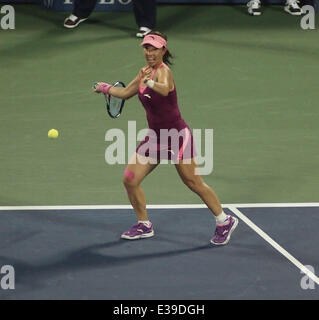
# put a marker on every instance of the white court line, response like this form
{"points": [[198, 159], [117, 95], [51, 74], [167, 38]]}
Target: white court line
{"points": [[275, 245], [273, 205], [158, 206]]}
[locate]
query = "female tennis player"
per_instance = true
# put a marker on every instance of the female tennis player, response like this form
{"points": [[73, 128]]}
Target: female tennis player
{"points": [[157, 92]]}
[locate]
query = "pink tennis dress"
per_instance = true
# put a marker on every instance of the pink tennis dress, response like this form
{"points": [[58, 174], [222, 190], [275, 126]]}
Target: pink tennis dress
{"points": [[169, 137]]}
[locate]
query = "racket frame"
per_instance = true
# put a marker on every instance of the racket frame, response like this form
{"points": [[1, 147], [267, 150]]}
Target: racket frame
{"points": [[108, 101]]}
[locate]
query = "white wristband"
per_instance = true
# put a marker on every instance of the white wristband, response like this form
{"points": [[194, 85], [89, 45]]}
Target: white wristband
{"points": [[150, 83]]}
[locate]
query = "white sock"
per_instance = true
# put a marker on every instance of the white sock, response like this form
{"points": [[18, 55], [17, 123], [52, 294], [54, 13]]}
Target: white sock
{"points": [[221, 218], [147, 223]]}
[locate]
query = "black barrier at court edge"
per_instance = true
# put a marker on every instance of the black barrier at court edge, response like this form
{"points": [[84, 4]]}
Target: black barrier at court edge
{"points": [[126, 5]]}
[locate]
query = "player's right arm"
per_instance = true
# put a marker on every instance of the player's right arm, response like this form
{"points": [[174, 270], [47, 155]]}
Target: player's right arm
{"points": [[124, 93]]}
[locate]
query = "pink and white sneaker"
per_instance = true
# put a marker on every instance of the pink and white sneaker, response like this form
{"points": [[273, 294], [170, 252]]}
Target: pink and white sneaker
{"points": [[224, 231], [138, 231]]}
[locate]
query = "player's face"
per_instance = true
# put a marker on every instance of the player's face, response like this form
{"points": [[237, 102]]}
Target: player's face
{"points": [[153, 56]]}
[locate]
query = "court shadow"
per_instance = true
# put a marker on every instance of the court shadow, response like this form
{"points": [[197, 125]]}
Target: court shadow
{"points": [[86, 258], [12, 239]]}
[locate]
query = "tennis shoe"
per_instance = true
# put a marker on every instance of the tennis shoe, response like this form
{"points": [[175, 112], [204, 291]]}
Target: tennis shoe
{"points": [[293, 8], [138, 231], [72, 21], [254, 7], [224, 231], [143, 32]]}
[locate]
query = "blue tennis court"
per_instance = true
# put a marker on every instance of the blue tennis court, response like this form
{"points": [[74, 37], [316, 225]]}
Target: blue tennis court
{"points": [[75, 252]]}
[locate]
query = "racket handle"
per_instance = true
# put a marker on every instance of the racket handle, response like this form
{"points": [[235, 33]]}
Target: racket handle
{"points": [[95, 85]]}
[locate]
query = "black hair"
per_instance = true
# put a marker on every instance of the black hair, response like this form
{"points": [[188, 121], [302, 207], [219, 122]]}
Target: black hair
{"points": [[167, 56]]}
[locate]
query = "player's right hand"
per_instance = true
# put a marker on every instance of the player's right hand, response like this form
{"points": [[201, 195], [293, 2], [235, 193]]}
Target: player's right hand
{"points": [[95, 87]]}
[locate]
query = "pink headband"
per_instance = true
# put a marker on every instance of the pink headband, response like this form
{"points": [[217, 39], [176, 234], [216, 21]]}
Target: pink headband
{"points": [[154, 40]]}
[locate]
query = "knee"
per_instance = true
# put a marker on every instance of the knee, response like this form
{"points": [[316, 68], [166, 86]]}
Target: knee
{"points": [[129, 180], [196, 186]]}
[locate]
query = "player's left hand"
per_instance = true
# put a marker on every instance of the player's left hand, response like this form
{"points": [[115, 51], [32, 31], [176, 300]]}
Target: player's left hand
{"points": [[146, 74]]}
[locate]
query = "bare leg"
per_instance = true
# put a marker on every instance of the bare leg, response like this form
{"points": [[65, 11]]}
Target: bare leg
{"points": [[197, 185], [133, 176]]}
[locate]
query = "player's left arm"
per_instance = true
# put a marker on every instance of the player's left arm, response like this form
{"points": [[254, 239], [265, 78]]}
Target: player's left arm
{"points": [[163, 82]]}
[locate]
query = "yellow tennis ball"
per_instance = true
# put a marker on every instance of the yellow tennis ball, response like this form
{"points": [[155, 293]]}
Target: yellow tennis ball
{"points": [[53, 134]]}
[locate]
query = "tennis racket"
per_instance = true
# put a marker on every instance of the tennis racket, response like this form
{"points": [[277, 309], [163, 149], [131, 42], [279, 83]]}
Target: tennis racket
{"points": [[114, 105]]}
